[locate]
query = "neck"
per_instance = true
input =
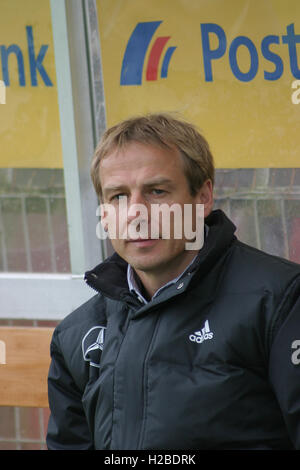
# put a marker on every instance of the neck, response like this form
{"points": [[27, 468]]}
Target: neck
{"points": [[154, 279]]}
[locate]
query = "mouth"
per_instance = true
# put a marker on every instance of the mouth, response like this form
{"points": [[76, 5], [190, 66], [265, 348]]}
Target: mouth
{"points": [[142, 241]]}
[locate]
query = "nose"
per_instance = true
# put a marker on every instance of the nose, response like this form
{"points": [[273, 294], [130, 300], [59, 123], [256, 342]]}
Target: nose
{"points": [[137, 207], [136, 197]]}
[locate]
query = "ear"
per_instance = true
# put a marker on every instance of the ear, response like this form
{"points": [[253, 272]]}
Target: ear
{"points": [[205, 196]]}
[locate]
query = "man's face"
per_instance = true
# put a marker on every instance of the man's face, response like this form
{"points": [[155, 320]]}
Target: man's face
{"points": [[149, 175]]}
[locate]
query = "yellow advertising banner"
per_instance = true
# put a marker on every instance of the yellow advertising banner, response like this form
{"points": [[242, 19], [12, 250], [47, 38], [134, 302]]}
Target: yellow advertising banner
{"points": [[230, 66], [29, 116]]}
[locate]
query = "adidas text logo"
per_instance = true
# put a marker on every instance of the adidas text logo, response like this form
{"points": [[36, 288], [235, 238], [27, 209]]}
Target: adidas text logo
{"points": [[200, 336]]}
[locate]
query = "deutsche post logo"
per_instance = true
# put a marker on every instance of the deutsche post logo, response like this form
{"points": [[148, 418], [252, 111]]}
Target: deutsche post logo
{"points": [[134, 56]]}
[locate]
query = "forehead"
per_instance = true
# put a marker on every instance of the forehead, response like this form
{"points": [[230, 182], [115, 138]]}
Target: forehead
{"points": [[141, 159]]}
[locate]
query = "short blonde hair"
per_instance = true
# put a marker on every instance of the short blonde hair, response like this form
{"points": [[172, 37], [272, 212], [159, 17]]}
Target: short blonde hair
{"points": [[162, 130]]}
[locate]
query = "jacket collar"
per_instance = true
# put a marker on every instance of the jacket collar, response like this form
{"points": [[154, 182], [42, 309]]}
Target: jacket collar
{"points": [[110, 277]]}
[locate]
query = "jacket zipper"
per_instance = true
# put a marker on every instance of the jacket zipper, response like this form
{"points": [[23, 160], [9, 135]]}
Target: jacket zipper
{"points": [[144, 391]]}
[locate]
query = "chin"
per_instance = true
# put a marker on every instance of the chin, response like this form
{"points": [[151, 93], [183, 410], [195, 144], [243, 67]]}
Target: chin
{"points": [[145, 265], [142, 266]]}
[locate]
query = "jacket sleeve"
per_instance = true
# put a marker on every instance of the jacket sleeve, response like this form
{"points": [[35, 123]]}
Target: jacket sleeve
{"points": [[67, 427], [284, 366]]}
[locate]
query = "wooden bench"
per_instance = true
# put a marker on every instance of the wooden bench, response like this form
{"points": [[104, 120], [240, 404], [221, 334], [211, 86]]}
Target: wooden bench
{"points": [[24, 365]]}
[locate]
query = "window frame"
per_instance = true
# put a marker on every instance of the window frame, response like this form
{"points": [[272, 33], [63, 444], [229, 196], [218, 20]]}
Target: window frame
{"points": [[80, 93]]}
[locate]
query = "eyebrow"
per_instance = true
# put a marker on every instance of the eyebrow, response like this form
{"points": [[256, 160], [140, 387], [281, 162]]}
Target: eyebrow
{"points": [[158, 181], [147, 184], [109, 189]]}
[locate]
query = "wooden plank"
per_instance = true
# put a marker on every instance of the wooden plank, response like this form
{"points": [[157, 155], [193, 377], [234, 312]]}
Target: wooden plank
{"points": [[23, 377]]}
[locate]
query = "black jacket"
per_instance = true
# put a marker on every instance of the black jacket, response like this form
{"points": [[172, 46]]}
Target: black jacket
{"points": [[211, 363]]}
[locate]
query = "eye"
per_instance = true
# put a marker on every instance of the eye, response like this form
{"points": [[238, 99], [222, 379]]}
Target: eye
{"points": [[116, 197], [158, 192]]}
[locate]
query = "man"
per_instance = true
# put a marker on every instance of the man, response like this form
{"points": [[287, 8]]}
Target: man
{"points": [[179, 348]]}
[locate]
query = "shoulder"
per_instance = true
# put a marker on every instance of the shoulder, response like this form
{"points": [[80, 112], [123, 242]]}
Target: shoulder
{"points": [[272, 281], [258, 268], [72, 336], [70, 332], [85, 314], [259, 290]]}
